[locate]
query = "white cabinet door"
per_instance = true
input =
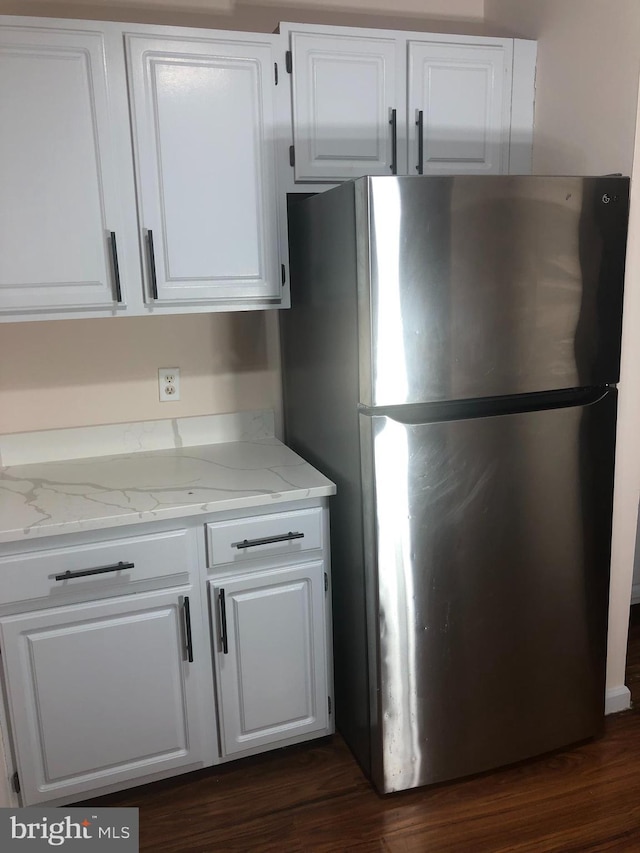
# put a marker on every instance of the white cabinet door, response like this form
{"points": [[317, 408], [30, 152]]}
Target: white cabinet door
{"points": [[459, 107], [203, 127], [271, 656], [59, 176], [100, 693], [348, 107]]}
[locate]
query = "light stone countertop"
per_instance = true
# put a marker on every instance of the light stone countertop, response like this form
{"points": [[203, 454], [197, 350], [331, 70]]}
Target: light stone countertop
{"points": [[47, 498]]}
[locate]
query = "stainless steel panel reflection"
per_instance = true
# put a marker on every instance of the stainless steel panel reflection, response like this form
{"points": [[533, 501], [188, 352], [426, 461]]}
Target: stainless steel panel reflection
{"points": [[489, 285], [491, 542], [320, 390]]}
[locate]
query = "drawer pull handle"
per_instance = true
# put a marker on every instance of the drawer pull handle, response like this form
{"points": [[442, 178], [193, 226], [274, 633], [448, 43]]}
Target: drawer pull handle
{"points": [[268, 540], [101, 570], [187, 627], [224, 640]]}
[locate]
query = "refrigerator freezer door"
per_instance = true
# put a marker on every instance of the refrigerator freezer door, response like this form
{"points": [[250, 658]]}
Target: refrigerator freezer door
{"points": [[477, 286], [487, 572]]}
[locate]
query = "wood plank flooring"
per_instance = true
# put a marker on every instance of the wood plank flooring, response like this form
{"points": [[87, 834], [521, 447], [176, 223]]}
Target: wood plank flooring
{"points": [[314, 799]]}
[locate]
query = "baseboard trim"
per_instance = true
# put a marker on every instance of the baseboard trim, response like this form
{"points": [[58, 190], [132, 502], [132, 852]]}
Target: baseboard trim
{"points": [[617, 699]]}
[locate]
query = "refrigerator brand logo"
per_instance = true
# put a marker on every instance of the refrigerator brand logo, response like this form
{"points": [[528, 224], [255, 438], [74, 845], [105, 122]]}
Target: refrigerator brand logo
{"points": [[42, 829]]}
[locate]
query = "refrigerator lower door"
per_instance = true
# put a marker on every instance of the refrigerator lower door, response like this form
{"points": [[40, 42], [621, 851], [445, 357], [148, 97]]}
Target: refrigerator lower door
{"points": [[487, 547]]}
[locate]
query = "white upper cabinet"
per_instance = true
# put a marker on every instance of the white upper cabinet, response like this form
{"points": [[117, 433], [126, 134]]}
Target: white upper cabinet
{"points": [[369, 102], [459, 98], [144, 169], [203, 121], [188, 218], [61, 205], [348, 95]]}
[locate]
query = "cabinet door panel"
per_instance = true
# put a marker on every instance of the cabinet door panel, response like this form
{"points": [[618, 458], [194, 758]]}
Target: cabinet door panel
{"points": [[203, 125], [99, 693], [464, 93], [58, 175], [272, 682], [343, 92]]}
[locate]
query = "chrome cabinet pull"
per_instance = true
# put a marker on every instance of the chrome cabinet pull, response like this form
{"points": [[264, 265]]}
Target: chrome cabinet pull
{"points": [[116, 266], [420, 126], [393, 121], [223, 623], [152, 264], [187, 628], [82, 573], [268, 540]]}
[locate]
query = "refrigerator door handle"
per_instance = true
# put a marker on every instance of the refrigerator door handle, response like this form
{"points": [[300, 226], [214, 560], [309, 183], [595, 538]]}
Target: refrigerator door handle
{"points": [[421, 413]]}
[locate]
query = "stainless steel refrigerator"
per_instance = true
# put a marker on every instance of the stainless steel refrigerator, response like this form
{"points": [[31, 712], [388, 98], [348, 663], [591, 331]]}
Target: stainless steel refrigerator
{"points": [[450, 361]]}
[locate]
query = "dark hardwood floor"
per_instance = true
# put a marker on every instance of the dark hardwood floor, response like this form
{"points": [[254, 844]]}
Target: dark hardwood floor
{"points": [[314, 798]]}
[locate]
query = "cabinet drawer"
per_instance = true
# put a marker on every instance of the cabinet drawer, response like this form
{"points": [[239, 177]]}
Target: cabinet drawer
{"points": [[266, 535], [94, 569]]}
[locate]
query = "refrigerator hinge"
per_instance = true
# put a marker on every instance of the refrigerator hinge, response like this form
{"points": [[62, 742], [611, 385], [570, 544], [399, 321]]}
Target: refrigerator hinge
{"points": [[15, 782], [275, 72], [329, 704], [326, 582], [288, 58], [283, 274], [292, 156]]}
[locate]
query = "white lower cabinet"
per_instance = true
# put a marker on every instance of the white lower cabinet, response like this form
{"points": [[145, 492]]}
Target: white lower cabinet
{"points": [[270, 656], [101, 692], [116, 673]]}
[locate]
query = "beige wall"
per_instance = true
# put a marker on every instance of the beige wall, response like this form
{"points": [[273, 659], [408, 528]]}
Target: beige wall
{"points": [[77, 372], [419, 8], [586, 113], [464, 16], [627, 487], [586, 82]]}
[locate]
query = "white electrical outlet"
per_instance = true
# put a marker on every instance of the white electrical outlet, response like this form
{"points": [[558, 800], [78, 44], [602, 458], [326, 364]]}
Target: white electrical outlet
{"points": [[169, 384]]}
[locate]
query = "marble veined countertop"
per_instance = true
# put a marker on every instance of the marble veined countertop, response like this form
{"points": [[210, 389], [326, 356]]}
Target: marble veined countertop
{"points": [[71, 495]]}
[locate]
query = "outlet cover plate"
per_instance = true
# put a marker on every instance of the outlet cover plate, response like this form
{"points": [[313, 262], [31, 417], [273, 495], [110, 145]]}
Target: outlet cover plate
{"points": [[169, 384]]}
